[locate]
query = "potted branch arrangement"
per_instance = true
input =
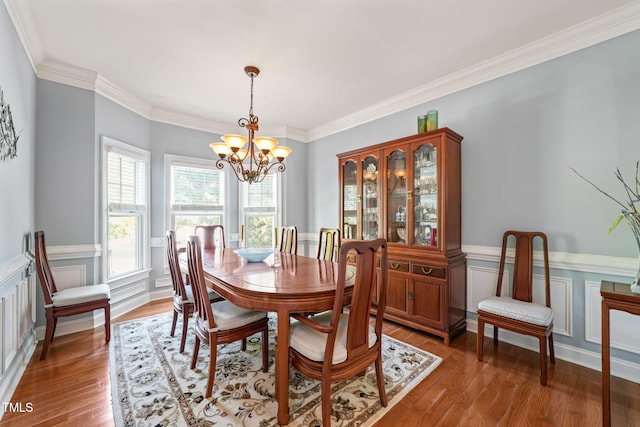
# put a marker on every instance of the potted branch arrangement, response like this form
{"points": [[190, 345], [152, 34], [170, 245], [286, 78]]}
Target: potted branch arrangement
{"points": [[629, 213]]}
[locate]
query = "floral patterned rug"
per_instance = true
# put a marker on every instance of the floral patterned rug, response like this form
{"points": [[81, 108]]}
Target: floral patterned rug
{"points": [[152, 384]]}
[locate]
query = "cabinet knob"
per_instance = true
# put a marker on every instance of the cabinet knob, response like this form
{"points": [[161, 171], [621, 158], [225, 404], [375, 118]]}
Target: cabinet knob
{"points": [[394, 265], [427, 272]]}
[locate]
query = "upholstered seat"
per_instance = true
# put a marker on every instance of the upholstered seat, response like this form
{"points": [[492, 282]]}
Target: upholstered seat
{"points": [[311, 343], [529, 312], [80, 295]]}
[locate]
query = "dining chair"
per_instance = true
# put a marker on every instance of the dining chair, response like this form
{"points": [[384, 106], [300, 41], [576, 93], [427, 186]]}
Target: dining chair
{"points": [[336, 345], [220, 322], [515, 310], [289, 239], [183, 301], [68, 301], [328, 244], [211, 236]]}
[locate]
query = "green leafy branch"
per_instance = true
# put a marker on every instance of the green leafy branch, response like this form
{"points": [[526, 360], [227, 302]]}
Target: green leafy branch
{"points": [[630, 205]]}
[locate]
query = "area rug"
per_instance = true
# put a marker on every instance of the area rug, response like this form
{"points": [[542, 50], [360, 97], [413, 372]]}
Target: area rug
{"points": [[152, 384]]}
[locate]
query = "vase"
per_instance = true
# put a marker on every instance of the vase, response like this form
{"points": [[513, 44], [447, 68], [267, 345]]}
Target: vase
{"points": [[633, 220]]}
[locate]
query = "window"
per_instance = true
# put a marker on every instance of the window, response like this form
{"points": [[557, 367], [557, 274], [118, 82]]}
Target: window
{"points": [[125, 198], [259, 210], [195, 193]]}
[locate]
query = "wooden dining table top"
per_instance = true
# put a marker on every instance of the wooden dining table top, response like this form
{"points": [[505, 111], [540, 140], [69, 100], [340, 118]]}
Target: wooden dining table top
{"points": [[282, 278]]}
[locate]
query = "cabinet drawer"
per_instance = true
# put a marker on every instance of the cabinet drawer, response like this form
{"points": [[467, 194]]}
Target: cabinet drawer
{"points": [[398, 266], [428, 270]]}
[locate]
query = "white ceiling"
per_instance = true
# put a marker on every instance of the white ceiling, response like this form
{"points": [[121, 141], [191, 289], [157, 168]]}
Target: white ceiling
{"points": [[325, 64]]}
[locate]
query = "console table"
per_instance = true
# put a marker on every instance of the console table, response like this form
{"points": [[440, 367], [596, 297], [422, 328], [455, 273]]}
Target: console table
{"points": [[615, 296]]}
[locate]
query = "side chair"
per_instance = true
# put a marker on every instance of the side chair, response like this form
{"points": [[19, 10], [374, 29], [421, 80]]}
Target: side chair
{"points": [[220, 322], [328, 244], [183, 302], [515, 310], [211, 236], [68, 301], [289, 240], [336, 345]]}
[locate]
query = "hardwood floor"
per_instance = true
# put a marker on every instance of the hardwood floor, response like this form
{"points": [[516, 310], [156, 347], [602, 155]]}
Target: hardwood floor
{"points": [[71, 387]]}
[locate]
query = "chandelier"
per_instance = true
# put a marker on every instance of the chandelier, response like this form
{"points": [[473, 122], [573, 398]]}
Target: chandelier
{"points": [[263, 154]]}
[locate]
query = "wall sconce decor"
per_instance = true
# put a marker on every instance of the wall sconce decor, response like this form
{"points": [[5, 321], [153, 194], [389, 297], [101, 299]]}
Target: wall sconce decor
{"points": [[8, 137]]}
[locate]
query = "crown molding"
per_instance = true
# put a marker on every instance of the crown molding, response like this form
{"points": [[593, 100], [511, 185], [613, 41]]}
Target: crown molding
{"points": [[191, 122], [118, 95], [67, 74], [20, 15], [588, 33]]}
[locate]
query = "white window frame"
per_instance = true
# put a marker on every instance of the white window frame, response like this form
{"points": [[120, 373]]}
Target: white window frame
{"points": [[172, 159], [107, 145], [242, 215]]}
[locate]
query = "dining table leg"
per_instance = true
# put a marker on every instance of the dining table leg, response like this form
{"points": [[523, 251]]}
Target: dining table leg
{"points": [[282, 367]]}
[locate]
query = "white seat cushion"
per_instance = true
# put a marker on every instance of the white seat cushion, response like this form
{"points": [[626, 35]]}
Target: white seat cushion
{"points": [[529, 312], [189, 290], [80, 294], [230, 316], [311, 343]]}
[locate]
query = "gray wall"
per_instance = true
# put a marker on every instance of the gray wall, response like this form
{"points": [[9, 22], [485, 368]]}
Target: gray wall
{"points": [[521, 134], [18, 82]]}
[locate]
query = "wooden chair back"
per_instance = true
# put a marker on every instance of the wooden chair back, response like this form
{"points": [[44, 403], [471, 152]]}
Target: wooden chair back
{"points": [[289, 240], [174, 265], [47, 282], [328, 244], [364, 278], [522, 281], [198, 284], [211, 236]]}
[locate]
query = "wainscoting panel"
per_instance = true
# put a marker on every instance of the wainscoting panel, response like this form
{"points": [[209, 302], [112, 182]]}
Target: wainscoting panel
{"points": [[69, 276], [624, 327], [10, 328], [481, 284]]}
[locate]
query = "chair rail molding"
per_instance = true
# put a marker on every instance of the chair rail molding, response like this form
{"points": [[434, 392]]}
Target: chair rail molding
{"points": [[63, 252], [588, 263], [13, 268]]}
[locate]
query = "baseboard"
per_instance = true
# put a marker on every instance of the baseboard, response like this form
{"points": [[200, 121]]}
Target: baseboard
{"points": [[579, 356]]}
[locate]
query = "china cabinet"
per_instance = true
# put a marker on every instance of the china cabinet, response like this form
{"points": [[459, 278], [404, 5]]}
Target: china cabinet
{"points": [[409, 192]]}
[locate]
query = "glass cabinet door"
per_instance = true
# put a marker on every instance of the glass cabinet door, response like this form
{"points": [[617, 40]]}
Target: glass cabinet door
{"points": [[370, 210], [350, 200], [425, 200], [397, 196]]}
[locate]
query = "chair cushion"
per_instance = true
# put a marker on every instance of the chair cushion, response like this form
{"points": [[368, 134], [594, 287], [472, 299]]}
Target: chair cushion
{"points": [[230, 316], [189, 290], [529, 312], [81, 294], [311, 343]]}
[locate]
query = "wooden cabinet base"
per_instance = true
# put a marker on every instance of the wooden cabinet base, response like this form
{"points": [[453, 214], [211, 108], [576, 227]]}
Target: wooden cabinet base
{"points": [[454, 330]]}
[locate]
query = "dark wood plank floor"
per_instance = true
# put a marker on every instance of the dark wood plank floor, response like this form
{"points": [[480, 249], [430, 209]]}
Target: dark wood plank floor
{"points": [[72, 387]]}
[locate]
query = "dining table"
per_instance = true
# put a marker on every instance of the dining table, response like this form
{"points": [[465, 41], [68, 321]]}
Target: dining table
{"points": [[283, 283]]}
